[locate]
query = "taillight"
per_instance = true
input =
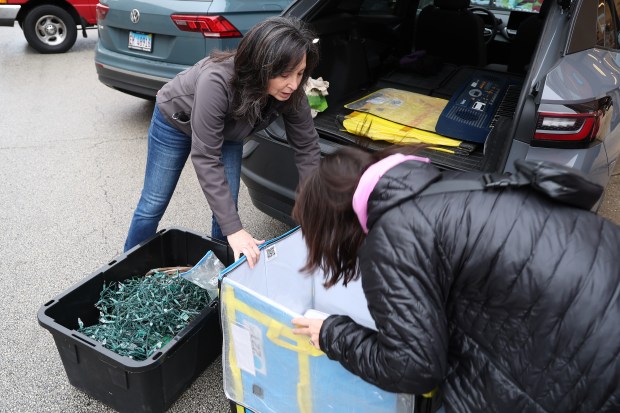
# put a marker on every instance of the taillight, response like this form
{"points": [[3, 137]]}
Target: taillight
{"points": [[564, 127], [102, 11], [209, 26], [575, 124]]}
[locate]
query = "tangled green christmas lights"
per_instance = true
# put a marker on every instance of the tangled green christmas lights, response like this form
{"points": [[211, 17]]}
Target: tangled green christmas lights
{"points": [[141, 315]]}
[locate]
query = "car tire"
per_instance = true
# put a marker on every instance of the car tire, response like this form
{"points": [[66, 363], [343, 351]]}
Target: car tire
{"points": [[50, 29]]}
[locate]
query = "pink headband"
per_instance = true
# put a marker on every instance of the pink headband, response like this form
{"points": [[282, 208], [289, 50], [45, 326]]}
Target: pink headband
{"points": [[369, 180]]}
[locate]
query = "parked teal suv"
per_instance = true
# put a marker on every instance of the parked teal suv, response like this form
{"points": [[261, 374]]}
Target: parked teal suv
{"points": [[143, 44]]}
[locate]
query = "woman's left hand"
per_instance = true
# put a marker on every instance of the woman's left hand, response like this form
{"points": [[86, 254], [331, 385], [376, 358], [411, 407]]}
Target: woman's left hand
{"points": [[310, 327]]}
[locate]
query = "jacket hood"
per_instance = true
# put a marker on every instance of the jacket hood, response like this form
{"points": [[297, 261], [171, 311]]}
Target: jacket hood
{"points": [[400, 183]]}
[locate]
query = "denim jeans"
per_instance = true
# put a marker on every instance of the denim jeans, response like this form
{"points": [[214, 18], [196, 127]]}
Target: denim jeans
{"points": [[168, 150]]}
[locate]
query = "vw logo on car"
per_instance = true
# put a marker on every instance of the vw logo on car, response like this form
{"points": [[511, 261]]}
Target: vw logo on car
{"points": [[134, 16]]}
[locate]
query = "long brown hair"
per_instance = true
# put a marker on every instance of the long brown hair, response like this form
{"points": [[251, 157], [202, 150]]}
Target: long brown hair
{"points": [[324, 210], [269, 49]]}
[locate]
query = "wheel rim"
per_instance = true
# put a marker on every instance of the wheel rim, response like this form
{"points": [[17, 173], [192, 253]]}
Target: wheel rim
{"points": [[51, 30]]}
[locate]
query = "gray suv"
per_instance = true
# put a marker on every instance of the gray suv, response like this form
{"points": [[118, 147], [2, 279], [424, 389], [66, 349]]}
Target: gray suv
{"points": [[515, 79]]}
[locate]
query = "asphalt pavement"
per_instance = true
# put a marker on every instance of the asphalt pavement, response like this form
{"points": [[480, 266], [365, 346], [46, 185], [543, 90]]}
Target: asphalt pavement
{"points": [[72, 157]]}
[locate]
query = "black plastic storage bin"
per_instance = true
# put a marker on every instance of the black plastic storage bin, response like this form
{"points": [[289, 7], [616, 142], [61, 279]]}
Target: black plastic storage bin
{"points": [[151, 385]]}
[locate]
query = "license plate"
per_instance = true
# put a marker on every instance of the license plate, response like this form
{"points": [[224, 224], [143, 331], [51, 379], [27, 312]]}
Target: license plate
{"points": [[140, 41]]}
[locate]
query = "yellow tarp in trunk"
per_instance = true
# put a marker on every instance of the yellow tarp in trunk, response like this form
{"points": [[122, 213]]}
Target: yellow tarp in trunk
{"points": [[376, 128]]}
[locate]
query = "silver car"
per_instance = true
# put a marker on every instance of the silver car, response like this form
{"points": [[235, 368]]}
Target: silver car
{"points": [[520, 79]]}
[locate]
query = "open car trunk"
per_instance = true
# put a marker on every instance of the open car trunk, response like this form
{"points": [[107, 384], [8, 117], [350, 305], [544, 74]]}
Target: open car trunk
{"points": [[364, 54], [536, 84]]}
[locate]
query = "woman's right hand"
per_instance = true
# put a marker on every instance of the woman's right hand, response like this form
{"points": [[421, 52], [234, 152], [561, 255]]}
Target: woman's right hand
{"points": [[242, 242], [310, 327]]}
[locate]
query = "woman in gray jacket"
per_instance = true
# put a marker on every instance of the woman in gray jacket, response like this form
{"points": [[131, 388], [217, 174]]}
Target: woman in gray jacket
{"points": [[208, 110], [504, 299]]}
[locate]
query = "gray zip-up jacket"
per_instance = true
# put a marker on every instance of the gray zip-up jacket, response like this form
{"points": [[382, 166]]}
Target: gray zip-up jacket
{"points": [[201, 97]]}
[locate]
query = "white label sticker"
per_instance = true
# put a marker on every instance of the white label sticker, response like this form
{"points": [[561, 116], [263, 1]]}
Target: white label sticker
{"points": [[256, 335], [242, 342], [271, 253]]}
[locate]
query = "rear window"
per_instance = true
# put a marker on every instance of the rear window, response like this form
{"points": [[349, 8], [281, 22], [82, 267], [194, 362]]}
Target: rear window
{"points": [[523, 5], [607, 25]]}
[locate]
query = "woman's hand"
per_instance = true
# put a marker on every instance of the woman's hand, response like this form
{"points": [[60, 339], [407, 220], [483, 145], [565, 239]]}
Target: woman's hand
{"points": [[310, 327], [242, 242]]}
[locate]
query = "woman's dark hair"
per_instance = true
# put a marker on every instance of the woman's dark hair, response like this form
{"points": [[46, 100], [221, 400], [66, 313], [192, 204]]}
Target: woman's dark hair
{"points": [[269, 49], [324, 210]]}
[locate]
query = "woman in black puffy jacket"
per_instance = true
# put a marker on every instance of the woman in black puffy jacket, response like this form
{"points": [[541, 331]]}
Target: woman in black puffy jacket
{"points": [[505, 300]]}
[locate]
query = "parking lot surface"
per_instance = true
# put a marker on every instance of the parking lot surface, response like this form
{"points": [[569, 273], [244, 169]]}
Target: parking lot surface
{"points": [[72, 157]]}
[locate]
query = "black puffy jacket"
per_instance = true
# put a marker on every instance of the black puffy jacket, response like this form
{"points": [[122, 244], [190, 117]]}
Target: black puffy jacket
{"points": [[507, 301]]}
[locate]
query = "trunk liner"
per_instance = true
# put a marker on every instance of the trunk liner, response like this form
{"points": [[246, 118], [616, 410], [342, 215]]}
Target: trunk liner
{"points": [[329, 122], [329, 127]]}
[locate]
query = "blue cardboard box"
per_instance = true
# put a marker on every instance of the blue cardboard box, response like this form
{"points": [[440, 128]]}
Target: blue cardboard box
{"points": [[267, 368]]}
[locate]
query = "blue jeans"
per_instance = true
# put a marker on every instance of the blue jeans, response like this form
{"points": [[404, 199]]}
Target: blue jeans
{"points": [[168, 150]]}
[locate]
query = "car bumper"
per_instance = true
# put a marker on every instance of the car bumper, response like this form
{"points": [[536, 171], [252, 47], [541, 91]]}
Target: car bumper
{"points": [[132, 83], [140, 77], [8, 13]]}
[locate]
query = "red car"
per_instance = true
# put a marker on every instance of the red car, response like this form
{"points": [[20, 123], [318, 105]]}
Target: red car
{"points": [[49, 26]]}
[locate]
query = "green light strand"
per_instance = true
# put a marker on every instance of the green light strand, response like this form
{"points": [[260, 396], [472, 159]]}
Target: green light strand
{"points": [[141, 315]]}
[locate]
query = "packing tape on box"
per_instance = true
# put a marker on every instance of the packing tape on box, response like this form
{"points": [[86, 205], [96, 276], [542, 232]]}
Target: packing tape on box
{"points": [[276, 331]]}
